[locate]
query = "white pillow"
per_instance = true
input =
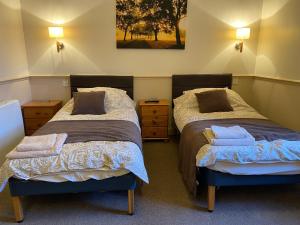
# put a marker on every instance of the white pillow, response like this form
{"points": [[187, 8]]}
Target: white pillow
{"points": [[114, 98], [189, 99], [199, 90], [101, 89]]}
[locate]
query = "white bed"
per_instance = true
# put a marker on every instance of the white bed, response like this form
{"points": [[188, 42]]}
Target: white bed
{"points": [[83, 161], [186, 111]]}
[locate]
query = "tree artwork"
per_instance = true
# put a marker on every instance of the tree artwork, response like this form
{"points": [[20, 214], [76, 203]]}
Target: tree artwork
{"points": [[151, 24]]}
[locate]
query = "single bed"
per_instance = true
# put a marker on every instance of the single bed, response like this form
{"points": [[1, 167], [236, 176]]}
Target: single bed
{"points": [[78, 168], [191, 124]]}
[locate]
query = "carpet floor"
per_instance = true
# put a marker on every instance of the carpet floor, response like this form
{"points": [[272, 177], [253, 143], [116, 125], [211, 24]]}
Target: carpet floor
{"points": [[164, 201]]}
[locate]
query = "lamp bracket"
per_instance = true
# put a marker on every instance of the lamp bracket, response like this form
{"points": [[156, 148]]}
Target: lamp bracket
{"points": [[60, 46], [239, 46]]}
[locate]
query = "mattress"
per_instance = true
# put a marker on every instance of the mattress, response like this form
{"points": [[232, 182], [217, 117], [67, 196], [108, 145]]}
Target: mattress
{"points": [[276, 168], [78, 176]]}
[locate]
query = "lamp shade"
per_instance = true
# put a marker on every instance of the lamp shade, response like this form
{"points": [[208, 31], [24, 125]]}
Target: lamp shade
{"points": [[243, 33], [56, 32]]}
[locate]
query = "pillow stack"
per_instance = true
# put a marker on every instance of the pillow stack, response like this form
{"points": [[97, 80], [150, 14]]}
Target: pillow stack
{"points": [[115, 98]]}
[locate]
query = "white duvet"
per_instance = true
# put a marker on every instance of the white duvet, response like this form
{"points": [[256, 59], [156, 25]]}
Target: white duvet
{"points": [[261, 152], [95, 155]]}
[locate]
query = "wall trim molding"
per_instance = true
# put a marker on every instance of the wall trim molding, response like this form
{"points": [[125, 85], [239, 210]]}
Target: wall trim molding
{"points": [[135, 76], [278, 79], [49, 76], [13, 79], [252, 76]]}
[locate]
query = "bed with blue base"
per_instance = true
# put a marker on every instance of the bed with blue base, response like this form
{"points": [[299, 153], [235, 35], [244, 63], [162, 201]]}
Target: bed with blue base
{"points": [[128, 182], [211, 178]]}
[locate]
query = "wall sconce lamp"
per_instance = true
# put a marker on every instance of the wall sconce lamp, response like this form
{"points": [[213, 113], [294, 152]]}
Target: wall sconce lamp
{"points": [[57, 32], [241, 35]]}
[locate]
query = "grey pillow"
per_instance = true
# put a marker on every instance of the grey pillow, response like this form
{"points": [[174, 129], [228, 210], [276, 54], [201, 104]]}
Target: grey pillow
{"points": [[213, 101], [89, 103]]}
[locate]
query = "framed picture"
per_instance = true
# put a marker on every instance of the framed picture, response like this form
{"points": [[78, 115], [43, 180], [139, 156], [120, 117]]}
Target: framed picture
{"points": [[151, 24]]}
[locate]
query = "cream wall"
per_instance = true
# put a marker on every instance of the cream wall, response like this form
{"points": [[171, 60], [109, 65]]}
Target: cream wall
{"points": [[91, 48], [278, 100], [279, 45], [13, 62], [19, 89], [278, 56]]}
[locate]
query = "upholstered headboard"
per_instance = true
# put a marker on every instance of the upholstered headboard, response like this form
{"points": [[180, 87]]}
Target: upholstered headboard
{"points": [[89, 81], [181, 83]]}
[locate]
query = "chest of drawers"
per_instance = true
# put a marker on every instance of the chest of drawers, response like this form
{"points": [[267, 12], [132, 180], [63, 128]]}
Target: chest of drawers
{"points": [[154, 119], [38, 113]]}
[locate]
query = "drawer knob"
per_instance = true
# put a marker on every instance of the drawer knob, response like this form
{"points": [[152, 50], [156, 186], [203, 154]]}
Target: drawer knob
{"points": [[154, 133], [154, 111], [38, 113], [154, 122]]}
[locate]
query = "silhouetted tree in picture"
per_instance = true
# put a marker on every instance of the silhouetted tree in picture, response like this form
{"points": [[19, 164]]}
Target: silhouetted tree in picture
{"points": [[154, 15], [175, 10], [126, 15]]}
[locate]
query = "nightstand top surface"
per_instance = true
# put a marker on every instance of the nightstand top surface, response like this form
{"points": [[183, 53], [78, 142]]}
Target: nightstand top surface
{"points": [[161, 102], [50, 103]]}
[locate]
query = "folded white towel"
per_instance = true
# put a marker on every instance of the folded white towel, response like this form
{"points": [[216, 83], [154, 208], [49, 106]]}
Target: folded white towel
{"points": [[248, 141], [60, 140], [37, 143], [235, 132]]}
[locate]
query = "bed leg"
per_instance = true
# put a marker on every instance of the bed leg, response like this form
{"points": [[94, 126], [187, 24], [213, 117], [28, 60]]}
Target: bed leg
{"points": [[211, 198], [131, 202], [18, 209]]}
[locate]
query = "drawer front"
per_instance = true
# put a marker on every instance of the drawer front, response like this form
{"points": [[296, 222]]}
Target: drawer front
{"points": [[39, 112], [155, 132], [155, 110], [155, 121], [34, 124]]}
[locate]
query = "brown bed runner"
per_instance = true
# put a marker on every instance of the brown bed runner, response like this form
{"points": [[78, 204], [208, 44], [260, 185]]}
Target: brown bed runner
{"points": [[192, 140], [94, 130]]}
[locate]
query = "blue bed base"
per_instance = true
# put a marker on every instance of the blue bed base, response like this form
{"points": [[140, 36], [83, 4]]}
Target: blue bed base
{"points": [[212, 179], [19, 188], [209, 177], [27, 188]]}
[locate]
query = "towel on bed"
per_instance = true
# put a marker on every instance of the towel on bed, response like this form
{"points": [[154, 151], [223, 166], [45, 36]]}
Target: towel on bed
{"points": [[247, 141], [234, 132], [37, 143], [60, 140]]}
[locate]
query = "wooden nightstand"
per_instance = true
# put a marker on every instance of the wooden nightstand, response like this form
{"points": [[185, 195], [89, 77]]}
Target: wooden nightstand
{"points": [[38, 113], [154, 120]]}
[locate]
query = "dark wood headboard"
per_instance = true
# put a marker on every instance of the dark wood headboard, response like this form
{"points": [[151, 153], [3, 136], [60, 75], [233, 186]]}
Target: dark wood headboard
{"points": [[89, 81], [181, 83]]}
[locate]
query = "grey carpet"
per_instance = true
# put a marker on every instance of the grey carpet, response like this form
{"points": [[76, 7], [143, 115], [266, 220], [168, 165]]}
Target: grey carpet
{"points": [[164, 201]]}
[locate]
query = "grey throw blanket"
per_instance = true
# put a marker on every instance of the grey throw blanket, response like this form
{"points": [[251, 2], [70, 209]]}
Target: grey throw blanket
{"points": [[192, 139], [94, 130]]}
